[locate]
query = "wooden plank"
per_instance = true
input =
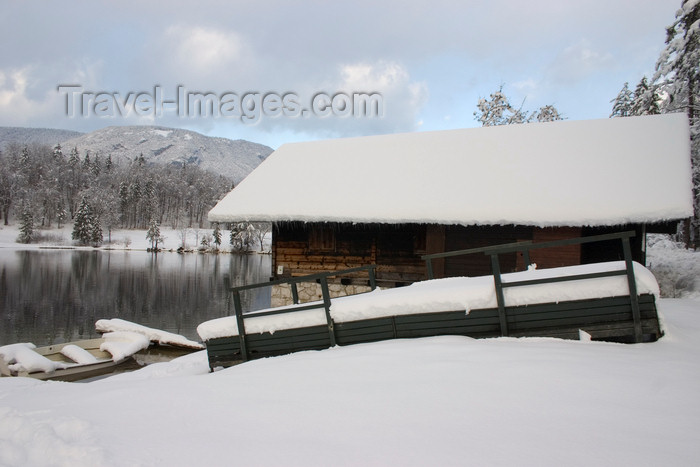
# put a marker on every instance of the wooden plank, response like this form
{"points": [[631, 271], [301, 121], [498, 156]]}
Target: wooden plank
{"points": [[289, 347], [346, 333], [609, 318]]}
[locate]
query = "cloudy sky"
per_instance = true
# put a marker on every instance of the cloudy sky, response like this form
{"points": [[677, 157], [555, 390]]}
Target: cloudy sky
{"points": [[429, 61]]}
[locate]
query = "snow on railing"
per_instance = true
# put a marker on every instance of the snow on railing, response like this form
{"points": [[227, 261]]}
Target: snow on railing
{"points": [[525, 247]]}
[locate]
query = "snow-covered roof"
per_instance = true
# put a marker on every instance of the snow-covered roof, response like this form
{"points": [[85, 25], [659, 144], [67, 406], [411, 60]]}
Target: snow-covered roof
{"points": [[593, 172]]}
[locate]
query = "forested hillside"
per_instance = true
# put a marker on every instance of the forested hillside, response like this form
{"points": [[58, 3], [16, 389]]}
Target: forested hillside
{"points": [[41, 186]]}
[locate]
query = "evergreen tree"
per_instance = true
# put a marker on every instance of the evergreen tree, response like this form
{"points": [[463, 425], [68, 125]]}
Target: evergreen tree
{"points": [[217, 235], [678, 74], [646, 99], [58, 152], [26, 227], [153, 234], [84, 226], [622, 104]]}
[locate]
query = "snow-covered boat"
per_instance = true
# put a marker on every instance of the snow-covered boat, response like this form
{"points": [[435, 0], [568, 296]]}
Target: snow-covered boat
{"points": [[71, 361]]}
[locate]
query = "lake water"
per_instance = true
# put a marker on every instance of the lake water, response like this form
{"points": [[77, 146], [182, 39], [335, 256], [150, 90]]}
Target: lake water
{"points": [[52, 296]]}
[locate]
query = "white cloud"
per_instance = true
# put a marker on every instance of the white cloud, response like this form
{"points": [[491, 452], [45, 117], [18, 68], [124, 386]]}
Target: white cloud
{"points": [[402, 99], [16, 107], [578, 61], [206, 48]]}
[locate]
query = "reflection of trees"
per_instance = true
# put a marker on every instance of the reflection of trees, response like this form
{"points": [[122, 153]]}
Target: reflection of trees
{"points": [[56, 296]]}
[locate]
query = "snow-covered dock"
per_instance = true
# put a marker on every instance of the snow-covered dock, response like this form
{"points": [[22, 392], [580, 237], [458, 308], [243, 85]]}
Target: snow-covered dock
{"points": [[598, 299]]}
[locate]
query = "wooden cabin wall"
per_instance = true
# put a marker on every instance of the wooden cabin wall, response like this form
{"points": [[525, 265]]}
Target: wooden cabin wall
{"points": [[301, 249], [462, 238], [306, 248], [555, 257]]}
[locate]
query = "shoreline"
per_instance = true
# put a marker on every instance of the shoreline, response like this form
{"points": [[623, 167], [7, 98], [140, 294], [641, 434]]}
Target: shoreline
{"points": [[128, 240]]}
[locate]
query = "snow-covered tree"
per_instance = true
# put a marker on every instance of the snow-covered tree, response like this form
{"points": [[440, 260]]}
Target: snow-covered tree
{"points": [[217, 235], [26, 226], [261, 230], [242, 236], [622, 104], [86, 227], [497, 110], [153, 234], [646, 100], [678, 74], [548, 113]]}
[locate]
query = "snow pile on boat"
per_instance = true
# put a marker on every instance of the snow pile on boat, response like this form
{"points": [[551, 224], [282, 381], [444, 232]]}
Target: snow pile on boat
{"points": [[122, 345], [21, 357], [450, 294], [78, 354], [153, 335]]}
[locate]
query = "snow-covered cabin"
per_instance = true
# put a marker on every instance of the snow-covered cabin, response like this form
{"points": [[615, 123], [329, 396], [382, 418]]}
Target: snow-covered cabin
{"points": [[388, 200]]}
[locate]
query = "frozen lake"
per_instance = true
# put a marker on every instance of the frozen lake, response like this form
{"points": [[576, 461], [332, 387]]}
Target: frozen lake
{"points": [[50, 296]]}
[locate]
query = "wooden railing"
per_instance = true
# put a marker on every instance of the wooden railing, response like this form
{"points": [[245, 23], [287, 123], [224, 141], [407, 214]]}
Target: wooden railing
{"points": [[320, 278], [525, 248]]}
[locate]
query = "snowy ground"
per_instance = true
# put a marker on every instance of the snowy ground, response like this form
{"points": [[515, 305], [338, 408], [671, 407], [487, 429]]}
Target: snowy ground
{"points": [[121, 239], [443, 401], [448, 401]]}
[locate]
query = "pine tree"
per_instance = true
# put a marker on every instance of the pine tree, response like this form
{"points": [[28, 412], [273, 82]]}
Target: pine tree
{"points": [[84, 225], [217, 235], [153, 234], [622, 104], [58, 152], [26, 227], [678, 74], [646, 99]]}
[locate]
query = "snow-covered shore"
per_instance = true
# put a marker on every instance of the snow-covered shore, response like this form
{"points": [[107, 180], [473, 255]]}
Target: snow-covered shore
{"points": [[445, 401], [448, 401], [121, 239]]}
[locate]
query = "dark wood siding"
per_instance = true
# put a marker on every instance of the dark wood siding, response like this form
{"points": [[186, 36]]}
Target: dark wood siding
{"points": [[396, 249], [462, 238], [307, 248]]}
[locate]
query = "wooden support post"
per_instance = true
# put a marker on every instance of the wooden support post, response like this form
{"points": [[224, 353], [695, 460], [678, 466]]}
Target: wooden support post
{"points": [[327, 307], [496, 270], [372, 278], [526, 258], [634, 298], [239, 323], [429, 267], [295, 293]]}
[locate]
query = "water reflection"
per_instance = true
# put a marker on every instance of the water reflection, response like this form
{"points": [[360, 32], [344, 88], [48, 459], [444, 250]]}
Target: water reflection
{"points": [[54, 296]]}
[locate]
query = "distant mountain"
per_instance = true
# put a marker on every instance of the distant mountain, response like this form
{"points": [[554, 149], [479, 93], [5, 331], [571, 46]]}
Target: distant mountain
{"points": [[26, 136], [232, 158]]}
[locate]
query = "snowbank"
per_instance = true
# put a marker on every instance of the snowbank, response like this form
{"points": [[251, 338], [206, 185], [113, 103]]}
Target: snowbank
{"points": [[447, 401], [456, 293], [675, 267]]}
